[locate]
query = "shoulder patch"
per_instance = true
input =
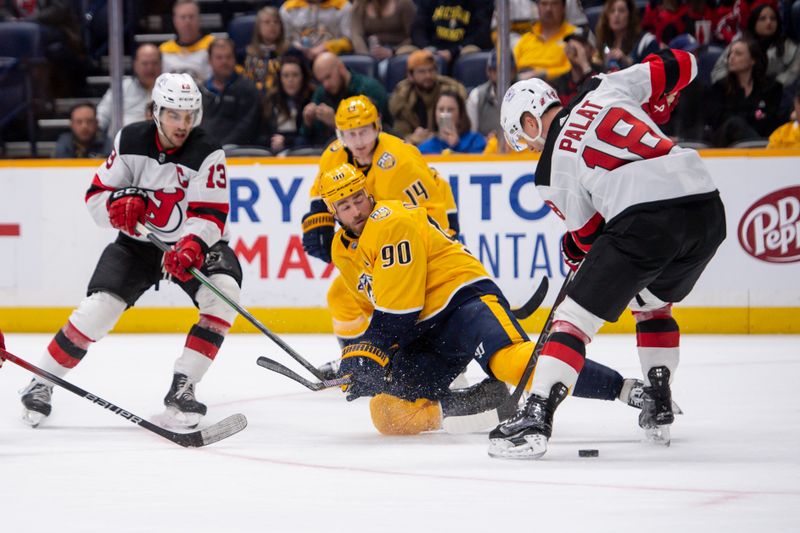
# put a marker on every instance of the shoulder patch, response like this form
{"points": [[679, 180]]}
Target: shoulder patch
{"points": [[335, 146], [380, 213], [387, 161]]}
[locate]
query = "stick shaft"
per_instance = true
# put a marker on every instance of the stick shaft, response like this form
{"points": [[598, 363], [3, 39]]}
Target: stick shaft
{"points": [[202, 278]]}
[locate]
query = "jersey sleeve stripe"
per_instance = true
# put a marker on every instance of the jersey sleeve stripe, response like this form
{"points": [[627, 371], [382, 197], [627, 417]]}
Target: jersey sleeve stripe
{"points": [[96, 187], [586, 235], [216, 213]]}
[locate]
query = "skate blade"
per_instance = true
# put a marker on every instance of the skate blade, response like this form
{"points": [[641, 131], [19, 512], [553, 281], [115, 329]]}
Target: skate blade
{"points": [[659, 435], [175, 419], [534, 447], [32, 418]]}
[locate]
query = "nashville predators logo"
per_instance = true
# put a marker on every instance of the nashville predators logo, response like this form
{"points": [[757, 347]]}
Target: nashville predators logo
{"points": [[387, 161], [381, 212], [365, 286]]}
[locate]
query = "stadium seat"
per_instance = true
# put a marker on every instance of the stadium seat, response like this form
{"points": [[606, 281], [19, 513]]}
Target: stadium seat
{"points": [[705, 63], [470, 69], [20, 49], [240, 30], [396, 71], [363, 64], [593, 15]]}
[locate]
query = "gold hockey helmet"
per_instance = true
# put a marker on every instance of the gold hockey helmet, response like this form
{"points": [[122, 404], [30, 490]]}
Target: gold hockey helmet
{"points": [[339, 183], [355, 112]]}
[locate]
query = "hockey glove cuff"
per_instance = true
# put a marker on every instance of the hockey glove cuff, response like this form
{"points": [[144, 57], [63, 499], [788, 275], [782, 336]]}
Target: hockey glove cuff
{"points": [[126, 207], [318, 232], [368, 366], [188, 252], [571, 252]]}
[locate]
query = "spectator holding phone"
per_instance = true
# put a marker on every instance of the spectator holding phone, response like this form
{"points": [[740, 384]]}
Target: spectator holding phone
{"points": [[451, 130]]}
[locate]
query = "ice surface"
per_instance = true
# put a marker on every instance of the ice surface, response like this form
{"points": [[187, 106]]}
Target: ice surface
{"points": [[312, 461]]}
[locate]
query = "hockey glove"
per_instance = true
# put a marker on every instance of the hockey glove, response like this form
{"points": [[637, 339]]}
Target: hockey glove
{"points": [[661, 110], [571, 252], [367, 366], [188, 252], [318, 231], [126, 207]]}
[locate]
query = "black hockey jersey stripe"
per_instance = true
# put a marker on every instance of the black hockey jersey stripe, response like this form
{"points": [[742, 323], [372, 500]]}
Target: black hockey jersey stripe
{"points": [[217, 216]]}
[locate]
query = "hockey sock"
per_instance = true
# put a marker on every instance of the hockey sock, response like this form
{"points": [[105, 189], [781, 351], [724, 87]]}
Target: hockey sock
{"points": [[598, 382], [508, 363], [658, 340], [65, 351], [202, 345], [395, 416], [563, 357]]}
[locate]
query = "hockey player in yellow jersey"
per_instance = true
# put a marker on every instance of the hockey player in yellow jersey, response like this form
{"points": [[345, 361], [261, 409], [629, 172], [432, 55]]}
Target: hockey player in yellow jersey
{"points": [[395, 170], [434, 309]]}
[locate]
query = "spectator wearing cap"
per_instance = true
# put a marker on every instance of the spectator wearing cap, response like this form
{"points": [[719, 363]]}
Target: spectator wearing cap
{"points": [[188, 52], [82, 140], [783, 55], [413, 101], [540, 52], [580, 53], [483, 104], [317, 26], [620, 38], [337, 82], [788, 135], [136, 90], [452, 27], [231, 103]]}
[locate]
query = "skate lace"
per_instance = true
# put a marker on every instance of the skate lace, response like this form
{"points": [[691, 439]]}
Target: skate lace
{"points": [[185, 389], [39, 391]]}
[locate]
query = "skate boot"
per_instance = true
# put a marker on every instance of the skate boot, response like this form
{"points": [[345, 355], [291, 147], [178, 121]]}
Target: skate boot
{"points": [[183, 409], [632, 393], [525, 435], [476, 408], [330, 370], [657, 414], [36, 401]]}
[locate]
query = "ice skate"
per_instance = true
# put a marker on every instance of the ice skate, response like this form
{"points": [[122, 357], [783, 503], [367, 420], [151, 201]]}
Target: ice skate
{"points": [[525, 435], [657, 415], [36, 401], [183, 409], [632, 392]]}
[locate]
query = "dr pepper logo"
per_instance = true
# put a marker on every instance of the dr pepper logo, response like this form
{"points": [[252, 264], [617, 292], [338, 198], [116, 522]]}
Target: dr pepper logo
{"points": [[770, 228]]}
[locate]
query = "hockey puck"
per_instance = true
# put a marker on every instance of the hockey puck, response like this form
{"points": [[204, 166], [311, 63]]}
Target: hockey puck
{"points": [[588, 453]]}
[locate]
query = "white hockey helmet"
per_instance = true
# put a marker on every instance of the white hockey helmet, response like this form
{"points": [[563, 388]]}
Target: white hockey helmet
{"points": [[177, 91], [532, 96]]}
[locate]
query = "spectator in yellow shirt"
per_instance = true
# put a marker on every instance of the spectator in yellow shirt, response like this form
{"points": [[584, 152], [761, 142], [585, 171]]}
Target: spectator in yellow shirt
{"points": [[788, 135], [540, 52]]}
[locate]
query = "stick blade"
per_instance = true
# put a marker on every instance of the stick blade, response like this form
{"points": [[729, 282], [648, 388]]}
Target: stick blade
{"points": [[533, 303], [213, 433]]}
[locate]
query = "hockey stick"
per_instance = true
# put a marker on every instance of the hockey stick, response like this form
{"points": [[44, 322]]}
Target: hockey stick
{"points": [[533, 303], [214, 433], [275, 366], [202, 278]]}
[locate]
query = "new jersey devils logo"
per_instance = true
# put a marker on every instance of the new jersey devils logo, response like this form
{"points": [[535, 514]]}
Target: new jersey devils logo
{"points": [[164, 211]]}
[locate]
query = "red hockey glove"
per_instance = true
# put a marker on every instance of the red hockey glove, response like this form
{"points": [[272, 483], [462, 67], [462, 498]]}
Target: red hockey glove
{"points": [[571, 252], [126, 207], [188, 252], [661, 110]]}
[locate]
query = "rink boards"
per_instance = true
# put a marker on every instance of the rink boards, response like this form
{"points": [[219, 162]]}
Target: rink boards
{"points": [[49, 244]]}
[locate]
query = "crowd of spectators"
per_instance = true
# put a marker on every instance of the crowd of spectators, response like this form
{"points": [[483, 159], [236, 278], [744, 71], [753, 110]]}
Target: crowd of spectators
{"points": [[281, 92]]}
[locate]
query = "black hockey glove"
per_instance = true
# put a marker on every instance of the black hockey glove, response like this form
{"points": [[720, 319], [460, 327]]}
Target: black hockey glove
{"points": [[571, 252], [318, 231], [368, 368]]}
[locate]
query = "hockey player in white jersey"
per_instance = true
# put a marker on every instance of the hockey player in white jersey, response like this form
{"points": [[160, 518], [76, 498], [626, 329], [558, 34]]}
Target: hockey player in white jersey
{"points": [[172, 176], [643, 219]]}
